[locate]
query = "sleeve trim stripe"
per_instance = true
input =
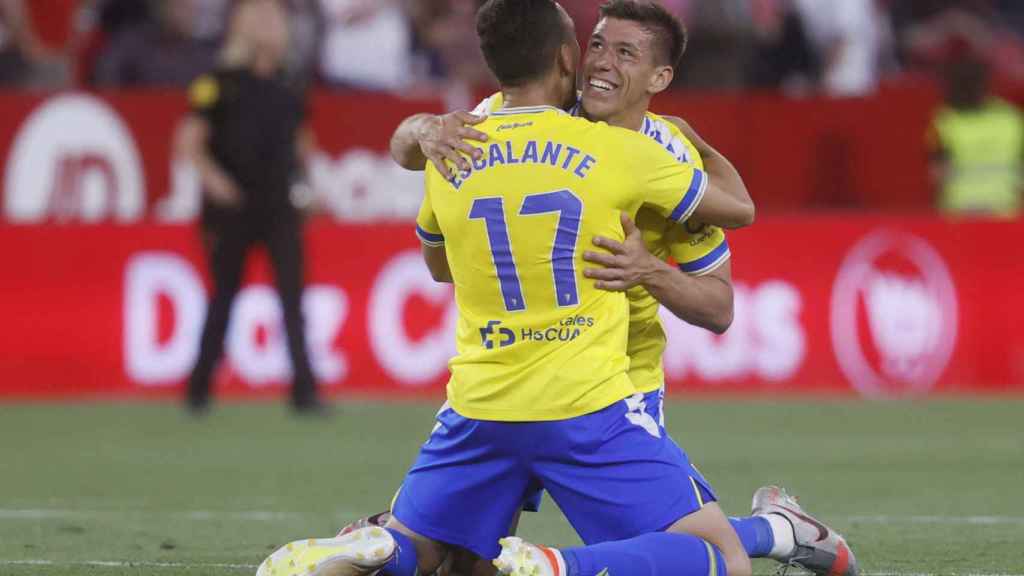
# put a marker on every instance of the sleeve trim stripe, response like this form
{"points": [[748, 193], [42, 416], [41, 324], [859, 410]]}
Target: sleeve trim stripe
{"points": [[692, 197], [428, 238], [708, 262]]}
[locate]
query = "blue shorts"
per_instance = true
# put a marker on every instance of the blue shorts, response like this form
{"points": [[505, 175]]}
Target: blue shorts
{"points": [[613, 473], [654, 405]]}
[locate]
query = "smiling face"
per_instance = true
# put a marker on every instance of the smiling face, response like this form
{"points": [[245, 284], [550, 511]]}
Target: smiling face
{"points": [[622, 70]]}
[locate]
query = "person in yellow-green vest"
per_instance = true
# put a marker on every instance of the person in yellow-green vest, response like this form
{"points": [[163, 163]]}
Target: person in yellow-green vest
{"points": [[976, 142]]}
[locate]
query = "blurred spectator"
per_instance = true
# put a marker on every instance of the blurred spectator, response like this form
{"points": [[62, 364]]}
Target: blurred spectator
{"points": [[209, 18], [368, 44], [162, 51], [976, 143], [1012, 13], [721, 43], [445, 35], [24, 61], [783, 55], [935, 32], [307, 24], [851, 38], [116, 16]]}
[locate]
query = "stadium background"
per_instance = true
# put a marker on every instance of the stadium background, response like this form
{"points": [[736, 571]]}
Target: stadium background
{"points": [[850, 286]]}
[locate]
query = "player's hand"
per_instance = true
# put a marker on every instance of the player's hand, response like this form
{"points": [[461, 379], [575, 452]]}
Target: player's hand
{"points": [[448, 140], [625, 264]]}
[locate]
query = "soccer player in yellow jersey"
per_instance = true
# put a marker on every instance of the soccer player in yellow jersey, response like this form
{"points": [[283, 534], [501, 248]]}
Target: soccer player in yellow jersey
{"points": [[539, 392], [627, 63]]}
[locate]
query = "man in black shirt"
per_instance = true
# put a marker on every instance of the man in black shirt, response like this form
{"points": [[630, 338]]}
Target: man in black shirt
{"points": [[245, 135]]}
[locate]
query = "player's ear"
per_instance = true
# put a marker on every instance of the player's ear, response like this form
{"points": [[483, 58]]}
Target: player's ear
{"points": [[567, 60], [661, 79]]}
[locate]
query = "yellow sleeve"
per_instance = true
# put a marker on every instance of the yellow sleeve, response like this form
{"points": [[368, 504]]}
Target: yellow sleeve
{"points": [[698, 249], [427, 227], [672, 188]]}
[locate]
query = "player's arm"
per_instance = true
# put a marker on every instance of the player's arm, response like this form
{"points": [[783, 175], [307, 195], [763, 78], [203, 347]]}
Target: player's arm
{"points": [[428, 230], [705, 301], [439, 139], [437, 263], [728, 204]]}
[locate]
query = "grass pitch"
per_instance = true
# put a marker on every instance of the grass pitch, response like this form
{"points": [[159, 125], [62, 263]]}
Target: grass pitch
{"points": [[923, 488]]}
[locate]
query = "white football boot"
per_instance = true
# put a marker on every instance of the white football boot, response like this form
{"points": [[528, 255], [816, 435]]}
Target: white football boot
{"points": [[519, 558], [817, 547], [361, 552]]}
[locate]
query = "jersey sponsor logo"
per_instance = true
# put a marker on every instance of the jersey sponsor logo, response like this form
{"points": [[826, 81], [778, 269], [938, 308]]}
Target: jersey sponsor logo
{"points": [[551, 334], [567, 330], [894, 315], [494, 335], [74, 159], [514, 125], [493, 332]]}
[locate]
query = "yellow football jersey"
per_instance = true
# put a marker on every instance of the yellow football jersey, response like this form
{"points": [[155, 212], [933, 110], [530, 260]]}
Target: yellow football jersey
{"points": [[537, 341], [696, 248]]}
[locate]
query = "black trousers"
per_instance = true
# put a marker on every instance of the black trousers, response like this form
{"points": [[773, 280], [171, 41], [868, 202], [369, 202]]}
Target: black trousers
{"points": [[228, 237]]}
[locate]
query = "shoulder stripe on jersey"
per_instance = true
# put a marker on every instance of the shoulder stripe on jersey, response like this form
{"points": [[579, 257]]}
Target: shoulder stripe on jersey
{"points": [[708, 262], [692, 197], [428, 238]]}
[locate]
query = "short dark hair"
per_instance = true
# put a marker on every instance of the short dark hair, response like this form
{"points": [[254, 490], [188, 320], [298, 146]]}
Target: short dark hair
{"points": [[520, 38], [668, 31]]}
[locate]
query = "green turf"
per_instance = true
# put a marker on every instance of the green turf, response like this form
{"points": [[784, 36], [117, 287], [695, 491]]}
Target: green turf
{"points": [[144, 483]]}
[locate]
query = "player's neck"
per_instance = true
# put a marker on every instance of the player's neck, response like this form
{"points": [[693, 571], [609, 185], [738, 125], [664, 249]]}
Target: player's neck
{"points": [[630, 119], [530, 95]]}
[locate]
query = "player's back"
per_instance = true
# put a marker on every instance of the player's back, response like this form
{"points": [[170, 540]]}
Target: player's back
{"points": [[536, 341]]}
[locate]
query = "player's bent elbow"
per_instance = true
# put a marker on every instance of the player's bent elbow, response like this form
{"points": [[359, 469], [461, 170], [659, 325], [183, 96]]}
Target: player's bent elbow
{"points": [[720, 322], [738, 565], [744, 216], [407, 158], [749, 215]]}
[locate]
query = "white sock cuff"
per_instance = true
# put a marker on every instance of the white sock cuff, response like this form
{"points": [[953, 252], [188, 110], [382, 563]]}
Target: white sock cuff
{"points": [[782, 532]]}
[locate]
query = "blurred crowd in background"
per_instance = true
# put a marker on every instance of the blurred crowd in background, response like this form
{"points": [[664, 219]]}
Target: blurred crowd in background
{"points": [[841, 47]]}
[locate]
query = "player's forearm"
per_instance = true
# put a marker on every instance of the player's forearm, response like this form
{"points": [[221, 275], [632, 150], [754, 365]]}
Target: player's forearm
{"points": [[436, 260], [705, 302], [405, 142], [722, 209], [728, 179]]}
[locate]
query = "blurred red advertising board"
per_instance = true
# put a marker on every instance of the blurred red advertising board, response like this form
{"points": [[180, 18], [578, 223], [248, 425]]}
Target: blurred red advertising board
{"points": [[835, 305]]}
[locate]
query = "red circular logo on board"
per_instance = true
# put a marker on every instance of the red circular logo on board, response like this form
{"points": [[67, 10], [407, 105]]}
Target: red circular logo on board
{"points": [[893, 315]]}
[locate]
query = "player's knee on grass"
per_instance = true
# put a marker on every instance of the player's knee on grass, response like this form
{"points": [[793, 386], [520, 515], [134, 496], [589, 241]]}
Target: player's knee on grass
{"points": [[738, 565], [711, 525], [431, 553]]}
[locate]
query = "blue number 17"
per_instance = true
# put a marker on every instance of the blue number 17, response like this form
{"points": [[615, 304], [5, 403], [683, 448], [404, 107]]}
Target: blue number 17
{"points": [[563, 253]]}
